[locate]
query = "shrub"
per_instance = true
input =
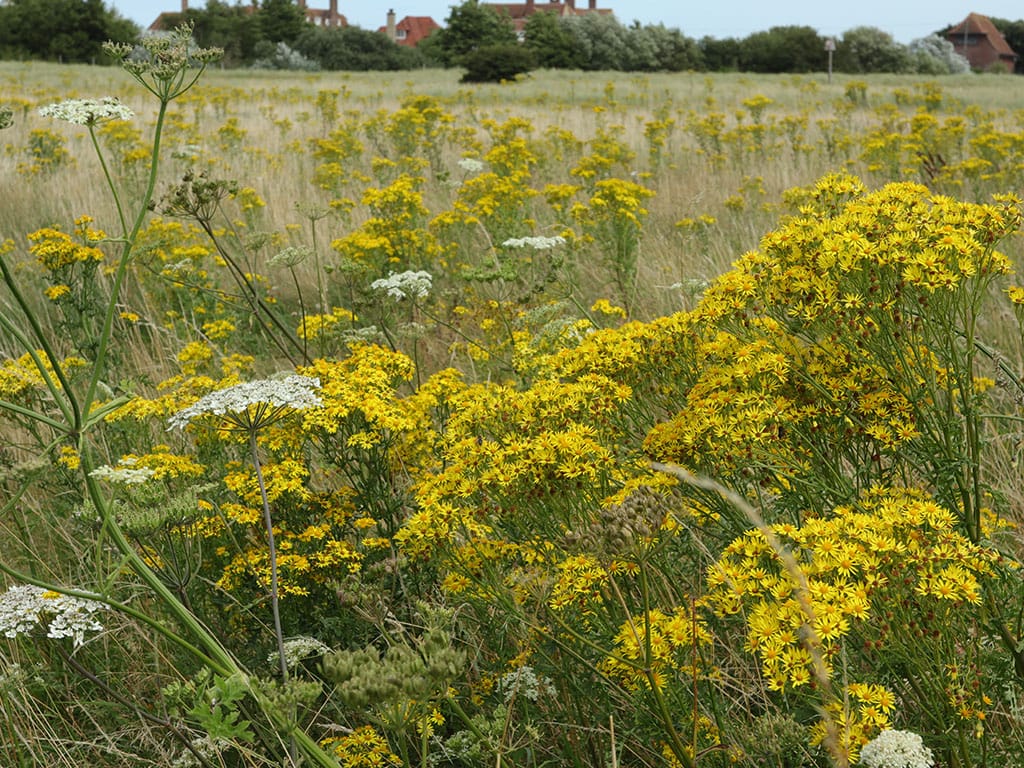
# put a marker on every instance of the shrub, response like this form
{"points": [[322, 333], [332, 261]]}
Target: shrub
{"points": [[497, 63]]}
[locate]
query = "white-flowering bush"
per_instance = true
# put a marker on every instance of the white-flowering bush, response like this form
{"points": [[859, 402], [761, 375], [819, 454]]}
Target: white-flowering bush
{"points": [[26, 609], [403, 285], [896, 749]]}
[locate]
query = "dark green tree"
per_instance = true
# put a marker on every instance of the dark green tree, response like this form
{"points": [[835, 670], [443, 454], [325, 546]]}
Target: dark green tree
{"points": [[783, 49], [720, 55], [664, 49], [551, 44], [60, 30], [497, 63], [231, 27], [355, 50], [1013, 32], [281, 21], [470, 26], [602, 42]]}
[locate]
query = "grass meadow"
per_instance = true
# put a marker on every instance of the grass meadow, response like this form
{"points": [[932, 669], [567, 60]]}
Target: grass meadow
{"points": [[593, 420]]}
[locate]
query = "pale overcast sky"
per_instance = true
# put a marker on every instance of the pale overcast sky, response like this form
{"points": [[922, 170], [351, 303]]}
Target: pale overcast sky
{"points": [[905, 21]]}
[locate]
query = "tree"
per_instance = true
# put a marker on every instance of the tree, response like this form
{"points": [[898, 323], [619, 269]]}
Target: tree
{"points": [[470, 26], [783, 49], [935, 55], [1013, 33], [720, 55], [219, 25], [61, 30], [281, 21], [869, 49], [550, 43], [497, 63], [601, 42], [354, 49], [668, 50]]}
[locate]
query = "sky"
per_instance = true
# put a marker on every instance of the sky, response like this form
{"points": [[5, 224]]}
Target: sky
{"points": [[905, 21]]}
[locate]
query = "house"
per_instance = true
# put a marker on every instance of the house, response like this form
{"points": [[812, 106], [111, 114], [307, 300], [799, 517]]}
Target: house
{"points": [[322, 17], [520, 12], [977, 40], [410, 30]]}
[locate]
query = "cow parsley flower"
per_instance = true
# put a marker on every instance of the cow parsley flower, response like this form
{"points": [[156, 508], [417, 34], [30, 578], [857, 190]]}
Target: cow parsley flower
{"points": [[298, 648], [537, 243], [27, 608], [470, 165], [125, 473], [88, 112], [253, 404], [896, 749], [525, 683], [403, 285]]}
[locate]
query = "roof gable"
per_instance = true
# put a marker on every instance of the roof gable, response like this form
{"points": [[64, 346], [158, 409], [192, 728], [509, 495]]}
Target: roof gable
{"points": [[976, 24]]}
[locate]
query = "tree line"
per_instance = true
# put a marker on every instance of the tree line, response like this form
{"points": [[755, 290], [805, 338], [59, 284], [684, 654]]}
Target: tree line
{"points": [[275, 34]]}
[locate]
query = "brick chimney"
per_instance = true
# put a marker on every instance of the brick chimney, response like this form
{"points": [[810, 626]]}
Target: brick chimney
{"points": [[392, 32], [332, 18], [592, 5], [184, 6], [529, 7]]}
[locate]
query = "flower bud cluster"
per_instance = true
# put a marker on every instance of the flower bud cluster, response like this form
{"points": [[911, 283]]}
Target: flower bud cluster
{"points": [[620, 527], [404, 673], [24, 609]]}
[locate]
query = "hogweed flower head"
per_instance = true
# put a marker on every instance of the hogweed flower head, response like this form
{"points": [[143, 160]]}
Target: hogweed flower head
{"points": [[6, 117], [253, 404], [896, 749], [27, 608], [160, 61], [471, 165], [125, 473], [87, 112], [404, 285], [537, 243]]}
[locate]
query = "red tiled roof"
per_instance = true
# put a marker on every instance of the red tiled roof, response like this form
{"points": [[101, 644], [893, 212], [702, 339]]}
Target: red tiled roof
{"points": [[976, 24], [415, 27]]}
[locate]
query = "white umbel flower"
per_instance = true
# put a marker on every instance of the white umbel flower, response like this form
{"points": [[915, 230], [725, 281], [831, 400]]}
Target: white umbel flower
{"points": [[253, 404], [537, 243], [403, 285], [88, 111], [896, 749], [125, 473], [24, 609]]}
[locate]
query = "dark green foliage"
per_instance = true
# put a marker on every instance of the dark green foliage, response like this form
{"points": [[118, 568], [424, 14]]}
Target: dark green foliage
{"points": [[783, 49], [219, 25], [281, 21], [471, 26], [60, 30], [1013, 32], [497, 63], [552, 45], [354, 49], [720, 55]]}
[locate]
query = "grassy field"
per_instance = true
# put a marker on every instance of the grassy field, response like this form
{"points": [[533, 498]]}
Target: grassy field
{"points": [[590, 420]]}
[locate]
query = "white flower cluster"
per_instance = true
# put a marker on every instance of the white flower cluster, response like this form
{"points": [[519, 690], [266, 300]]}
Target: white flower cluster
{"points": [[470, 165], [524, 682], [896, 749], [293, 391], [298, 648], [125, 473], [25, 608], [537, 243], [402, 285], [88, 111]]}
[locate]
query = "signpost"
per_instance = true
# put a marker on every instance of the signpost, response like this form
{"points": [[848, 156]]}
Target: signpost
{"points": [[830, 46]]}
